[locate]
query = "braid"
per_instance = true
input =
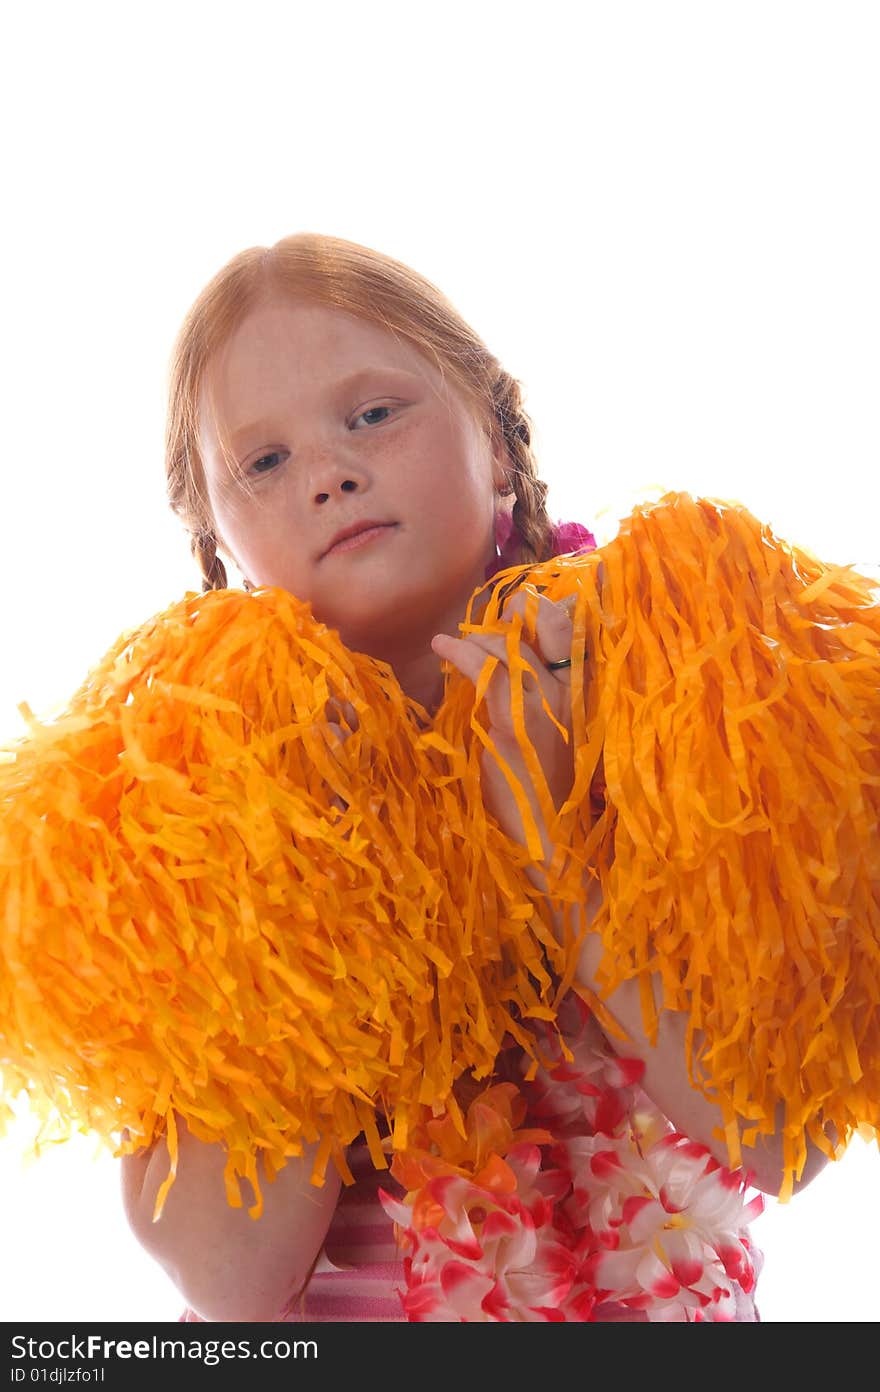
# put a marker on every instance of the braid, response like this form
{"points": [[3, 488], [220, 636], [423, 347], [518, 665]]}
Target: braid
{"points": [[529, 511], [204, 549]]}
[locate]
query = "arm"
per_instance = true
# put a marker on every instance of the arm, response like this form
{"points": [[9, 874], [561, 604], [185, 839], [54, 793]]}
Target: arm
{"points": [[666, 1078], [227, 1265]]}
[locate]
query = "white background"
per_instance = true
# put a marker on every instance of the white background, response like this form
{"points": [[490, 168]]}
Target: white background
{"points": [[663, 218]]}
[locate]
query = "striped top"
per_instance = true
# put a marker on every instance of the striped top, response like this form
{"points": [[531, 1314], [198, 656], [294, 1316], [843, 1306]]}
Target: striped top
{"points": [[360, 1270]]}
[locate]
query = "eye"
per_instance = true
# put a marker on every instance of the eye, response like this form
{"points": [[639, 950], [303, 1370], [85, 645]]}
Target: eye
{"points": [[267, 462], [371, 410]]}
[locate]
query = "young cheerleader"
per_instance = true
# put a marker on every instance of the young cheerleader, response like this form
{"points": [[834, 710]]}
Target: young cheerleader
{"points": [[337, 430]]}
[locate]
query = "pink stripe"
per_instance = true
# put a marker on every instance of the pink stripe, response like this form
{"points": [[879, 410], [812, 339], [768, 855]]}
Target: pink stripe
{"points": [[360, 1311], [360, 1236], [345, 1255], [366, 1294], [363, 1237]]}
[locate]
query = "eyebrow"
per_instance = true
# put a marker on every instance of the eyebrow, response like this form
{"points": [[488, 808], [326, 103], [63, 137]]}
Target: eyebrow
{"points": [[344, 383]]}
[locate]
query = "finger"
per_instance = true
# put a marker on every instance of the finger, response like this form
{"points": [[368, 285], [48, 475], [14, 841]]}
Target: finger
{"points": [[551, 631], [335, 709], [341, 716], [337, 738], [469, 654], [543, 703]]}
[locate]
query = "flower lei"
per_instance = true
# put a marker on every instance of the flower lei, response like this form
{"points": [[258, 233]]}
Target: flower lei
{"points": [[600, 1212]]}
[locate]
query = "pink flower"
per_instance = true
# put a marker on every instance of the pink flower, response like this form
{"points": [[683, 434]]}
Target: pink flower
{"points": [[572, 537], [568, 538]]}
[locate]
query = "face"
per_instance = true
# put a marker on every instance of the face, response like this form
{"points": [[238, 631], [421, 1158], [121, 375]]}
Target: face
{"points": [[332, 423]]}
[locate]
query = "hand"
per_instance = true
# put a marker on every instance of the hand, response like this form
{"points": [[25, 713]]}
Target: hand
{"points": [[342, 721], [546, 711]]}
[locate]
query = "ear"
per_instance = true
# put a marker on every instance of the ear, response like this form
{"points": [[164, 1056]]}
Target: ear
{"points": [[501, 467]]}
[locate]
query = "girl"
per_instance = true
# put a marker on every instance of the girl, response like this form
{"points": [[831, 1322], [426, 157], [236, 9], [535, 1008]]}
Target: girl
{"points": [[336, 429]]}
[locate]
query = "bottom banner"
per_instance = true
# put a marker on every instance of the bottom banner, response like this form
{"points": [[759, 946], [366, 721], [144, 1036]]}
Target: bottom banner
{"points": [[104, 1358]]}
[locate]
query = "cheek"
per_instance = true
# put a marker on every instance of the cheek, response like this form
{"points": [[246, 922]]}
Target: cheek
{"points": [[231, 525], [255, 535], [224, 499], [455, 469]]}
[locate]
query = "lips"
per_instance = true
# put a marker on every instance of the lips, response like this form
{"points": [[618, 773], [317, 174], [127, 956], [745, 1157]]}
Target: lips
{"points": [[365, 525]]}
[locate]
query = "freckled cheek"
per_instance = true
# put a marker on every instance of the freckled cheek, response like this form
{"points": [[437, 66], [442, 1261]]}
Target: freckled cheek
{"points": [[402, 453], [430, 459]]}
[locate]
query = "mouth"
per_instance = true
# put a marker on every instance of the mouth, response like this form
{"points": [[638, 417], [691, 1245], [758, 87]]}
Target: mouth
{"points": [[360, 534]]}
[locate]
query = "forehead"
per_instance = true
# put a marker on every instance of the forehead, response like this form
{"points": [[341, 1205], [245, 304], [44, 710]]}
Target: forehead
{"points": [[297, 350]]}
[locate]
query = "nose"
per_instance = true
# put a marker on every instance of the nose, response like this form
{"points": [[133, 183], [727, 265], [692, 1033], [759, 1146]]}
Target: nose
{"points": [[334, 473], [347, 485]]}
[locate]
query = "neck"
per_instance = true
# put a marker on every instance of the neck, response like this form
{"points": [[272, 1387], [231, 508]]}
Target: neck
{"points": [[422, 680], [418, 669], [416, 666]]}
